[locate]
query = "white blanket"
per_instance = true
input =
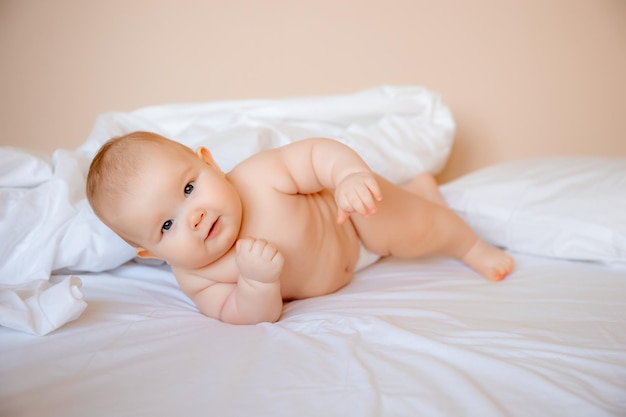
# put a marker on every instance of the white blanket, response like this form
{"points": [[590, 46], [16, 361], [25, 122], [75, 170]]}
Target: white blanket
{"points": [[47, 225]]}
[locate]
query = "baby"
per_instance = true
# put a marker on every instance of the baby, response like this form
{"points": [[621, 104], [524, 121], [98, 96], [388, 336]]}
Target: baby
{"points": [[286, 223]]}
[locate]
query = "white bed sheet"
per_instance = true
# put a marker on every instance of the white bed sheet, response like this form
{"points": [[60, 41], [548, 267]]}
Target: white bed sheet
{"points": [[405, 338]]}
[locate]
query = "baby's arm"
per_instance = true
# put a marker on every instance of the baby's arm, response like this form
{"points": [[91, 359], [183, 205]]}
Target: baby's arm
{"points": [[254, 298], [325, 163]]}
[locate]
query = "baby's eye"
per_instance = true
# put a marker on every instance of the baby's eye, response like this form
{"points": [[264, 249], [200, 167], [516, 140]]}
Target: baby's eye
{"points": [[189, 188], [166, 226]]}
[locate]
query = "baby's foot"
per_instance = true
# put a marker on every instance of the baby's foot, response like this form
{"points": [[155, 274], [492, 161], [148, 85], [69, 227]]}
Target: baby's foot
{"points": [[491, 262]]}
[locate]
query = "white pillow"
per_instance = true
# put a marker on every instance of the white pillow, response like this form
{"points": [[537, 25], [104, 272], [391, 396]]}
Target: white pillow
{"points": [[563, 207]]}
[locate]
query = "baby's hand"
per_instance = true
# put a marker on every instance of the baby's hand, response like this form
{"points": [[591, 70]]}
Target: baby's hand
{"points": [[357, 193], [258, 260]]}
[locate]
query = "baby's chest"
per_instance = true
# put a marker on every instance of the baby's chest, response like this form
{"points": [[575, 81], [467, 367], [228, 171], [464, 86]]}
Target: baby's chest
{"points": [[295, 220]]}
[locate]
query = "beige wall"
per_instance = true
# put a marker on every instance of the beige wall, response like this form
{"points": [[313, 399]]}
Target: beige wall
{"points": [[523, 77]]}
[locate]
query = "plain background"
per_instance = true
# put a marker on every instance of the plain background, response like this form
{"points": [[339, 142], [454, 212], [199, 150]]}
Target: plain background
{"points": [[522, 77]]}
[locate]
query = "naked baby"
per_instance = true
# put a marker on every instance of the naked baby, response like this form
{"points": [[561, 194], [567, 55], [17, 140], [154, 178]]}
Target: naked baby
{"points": [[286, 223]]}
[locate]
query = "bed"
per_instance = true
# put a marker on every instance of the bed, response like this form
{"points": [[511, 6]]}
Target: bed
{"points": [[87, 329]]}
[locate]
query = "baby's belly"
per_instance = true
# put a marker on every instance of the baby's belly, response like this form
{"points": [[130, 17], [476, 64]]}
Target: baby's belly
{"points": [[320, 255], [322, 273]]}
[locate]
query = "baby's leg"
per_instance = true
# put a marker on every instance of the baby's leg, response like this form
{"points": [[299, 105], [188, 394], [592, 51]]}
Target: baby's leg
{"points": [[425, 186], [408, 225]]}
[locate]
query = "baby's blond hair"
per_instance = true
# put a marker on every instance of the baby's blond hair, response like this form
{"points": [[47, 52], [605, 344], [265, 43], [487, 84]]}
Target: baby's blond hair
{"points": [[117, 161]]}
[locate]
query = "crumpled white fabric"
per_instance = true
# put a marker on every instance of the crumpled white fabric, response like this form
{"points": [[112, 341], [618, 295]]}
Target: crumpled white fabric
{"points": [[39, 307], [47, 225], [46, 222]]}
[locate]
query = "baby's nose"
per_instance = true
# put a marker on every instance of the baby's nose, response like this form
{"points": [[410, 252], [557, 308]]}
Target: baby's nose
{"points": [[195, 218]]}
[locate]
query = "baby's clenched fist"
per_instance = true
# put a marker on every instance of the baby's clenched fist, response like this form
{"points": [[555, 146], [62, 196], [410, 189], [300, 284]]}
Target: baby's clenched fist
{"points": [[259, 260], [357, 193]]}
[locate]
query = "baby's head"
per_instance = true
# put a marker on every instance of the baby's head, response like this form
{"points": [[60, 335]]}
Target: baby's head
{"points": [[112, 173], [164, 199]]}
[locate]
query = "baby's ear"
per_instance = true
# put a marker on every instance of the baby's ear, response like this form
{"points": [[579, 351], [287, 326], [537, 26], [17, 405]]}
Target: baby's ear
{"points": [[145, 253], [206, 156]]}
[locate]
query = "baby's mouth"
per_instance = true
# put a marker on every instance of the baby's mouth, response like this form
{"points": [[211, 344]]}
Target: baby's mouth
{"points": [[213, 228]]}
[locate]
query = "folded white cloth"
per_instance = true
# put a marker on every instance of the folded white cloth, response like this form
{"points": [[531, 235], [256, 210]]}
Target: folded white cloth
{"points": [[39, 307]]}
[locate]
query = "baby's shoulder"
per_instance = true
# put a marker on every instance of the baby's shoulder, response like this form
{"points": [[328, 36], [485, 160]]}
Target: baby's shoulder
{"points": [[263, 171], [264, 159]]}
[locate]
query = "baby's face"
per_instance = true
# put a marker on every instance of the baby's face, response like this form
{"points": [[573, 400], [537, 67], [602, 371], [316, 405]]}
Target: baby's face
{"points": [[180, 208]]}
